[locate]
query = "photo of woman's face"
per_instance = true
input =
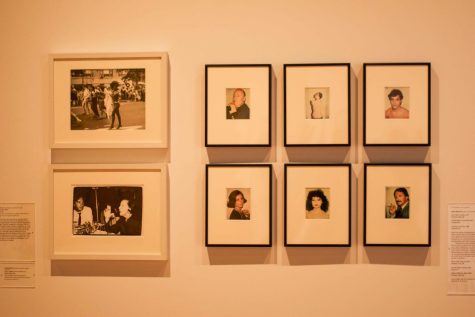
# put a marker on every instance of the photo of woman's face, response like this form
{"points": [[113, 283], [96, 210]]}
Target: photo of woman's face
{"points": [[316, 202], [123, 207], [239, 201]]}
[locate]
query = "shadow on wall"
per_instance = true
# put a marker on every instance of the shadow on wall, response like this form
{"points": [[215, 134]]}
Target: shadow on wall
{"points": [[114, 268]]}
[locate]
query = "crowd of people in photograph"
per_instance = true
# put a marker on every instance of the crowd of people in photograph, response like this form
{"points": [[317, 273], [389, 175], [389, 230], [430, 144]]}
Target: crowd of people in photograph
{"points": [[103, 101]]}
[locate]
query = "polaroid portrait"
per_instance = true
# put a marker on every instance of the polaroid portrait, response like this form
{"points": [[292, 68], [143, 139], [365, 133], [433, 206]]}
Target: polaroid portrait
{"points": [[317, 103], [397, 202], [238, 101], [397, 103], [238, 203], [238, 105], [107, 99], [317, 203], [107, 210]]}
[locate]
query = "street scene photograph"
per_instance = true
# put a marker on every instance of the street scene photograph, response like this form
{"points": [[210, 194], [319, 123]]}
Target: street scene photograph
{"points": [[108, 99]]}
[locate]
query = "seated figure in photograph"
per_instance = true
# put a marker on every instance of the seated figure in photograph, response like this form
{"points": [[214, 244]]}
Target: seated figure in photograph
{"points": [[317, 205], [401, 197], [127, 223], [237, 108], [81, 214], [396, 110], [237, 201]]}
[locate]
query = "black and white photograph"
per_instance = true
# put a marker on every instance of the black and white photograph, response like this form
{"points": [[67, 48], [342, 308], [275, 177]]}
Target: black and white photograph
{"points": [[106, 99], [107, 210], [397, 202], [317, 204], [103, 100], [317, 103], [238, 203]]}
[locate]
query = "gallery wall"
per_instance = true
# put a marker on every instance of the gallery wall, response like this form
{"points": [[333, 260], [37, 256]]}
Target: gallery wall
{"points": [[278, 281]]}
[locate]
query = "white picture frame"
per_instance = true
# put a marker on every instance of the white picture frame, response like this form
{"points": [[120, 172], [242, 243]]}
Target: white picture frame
{"points": [[150, 244], [144, 115]]}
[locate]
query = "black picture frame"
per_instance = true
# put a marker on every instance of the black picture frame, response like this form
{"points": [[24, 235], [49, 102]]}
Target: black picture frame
{"points": [[341, 83], [251, 128], [415, 186], [376, 131], [343, 225], [211, 197]]}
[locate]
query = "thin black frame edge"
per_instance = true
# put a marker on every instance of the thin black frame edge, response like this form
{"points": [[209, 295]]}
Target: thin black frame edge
{"points": [[269, 132], [429, 240], [348, 245], [429, 104], [348, 67], [269, 245]]}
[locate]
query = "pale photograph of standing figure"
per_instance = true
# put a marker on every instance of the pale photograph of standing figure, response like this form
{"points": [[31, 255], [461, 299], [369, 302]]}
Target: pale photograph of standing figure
{"points": [[317, 106]]}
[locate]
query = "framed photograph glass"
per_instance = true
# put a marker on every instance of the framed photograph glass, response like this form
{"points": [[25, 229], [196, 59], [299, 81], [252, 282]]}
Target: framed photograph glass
{"points": [[116, 212], [317, 104], [238, 105], [109, 100], [397, 204], [317, 205], [396, 103], [238, 205]]}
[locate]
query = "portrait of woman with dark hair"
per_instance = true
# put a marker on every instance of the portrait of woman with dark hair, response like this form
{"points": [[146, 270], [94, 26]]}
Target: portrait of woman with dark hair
{"points": [[126, 223], [317, 205], [237, 201]]}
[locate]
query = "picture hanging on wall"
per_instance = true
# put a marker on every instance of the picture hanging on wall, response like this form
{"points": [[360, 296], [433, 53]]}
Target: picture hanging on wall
{"points": [[238, 105], [109, 212], [238, 205], [317, 206], [396, 102], [109, 100], [397, 204], [317, 104]]}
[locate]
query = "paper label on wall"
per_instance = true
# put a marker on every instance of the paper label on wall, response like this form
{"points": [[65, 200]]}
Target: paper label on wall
{"points": [[461, 233], [17, 245]]}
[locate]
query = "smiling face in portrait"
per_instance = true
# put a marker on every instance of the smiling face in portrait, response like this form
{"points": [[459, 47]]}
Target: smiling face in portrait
{"points": [[400, 198], [395, 102], [239, 97], [79, 204], [124, 207]]}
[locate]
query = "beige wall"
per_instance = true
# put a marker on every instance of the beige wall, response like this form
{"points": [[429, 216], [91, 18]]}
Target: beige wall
{"points": [[232, 282]]}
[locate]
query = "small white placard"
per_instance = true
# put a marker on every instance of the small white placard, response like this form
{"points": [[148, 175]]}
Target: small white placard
{"points": [[461, 233], [17, 245]]}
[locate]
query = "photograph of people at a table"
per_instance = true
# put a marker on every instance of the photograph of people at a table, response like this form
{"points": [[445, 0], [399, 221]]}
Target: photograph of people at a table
{"points": [[107, 210]]}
